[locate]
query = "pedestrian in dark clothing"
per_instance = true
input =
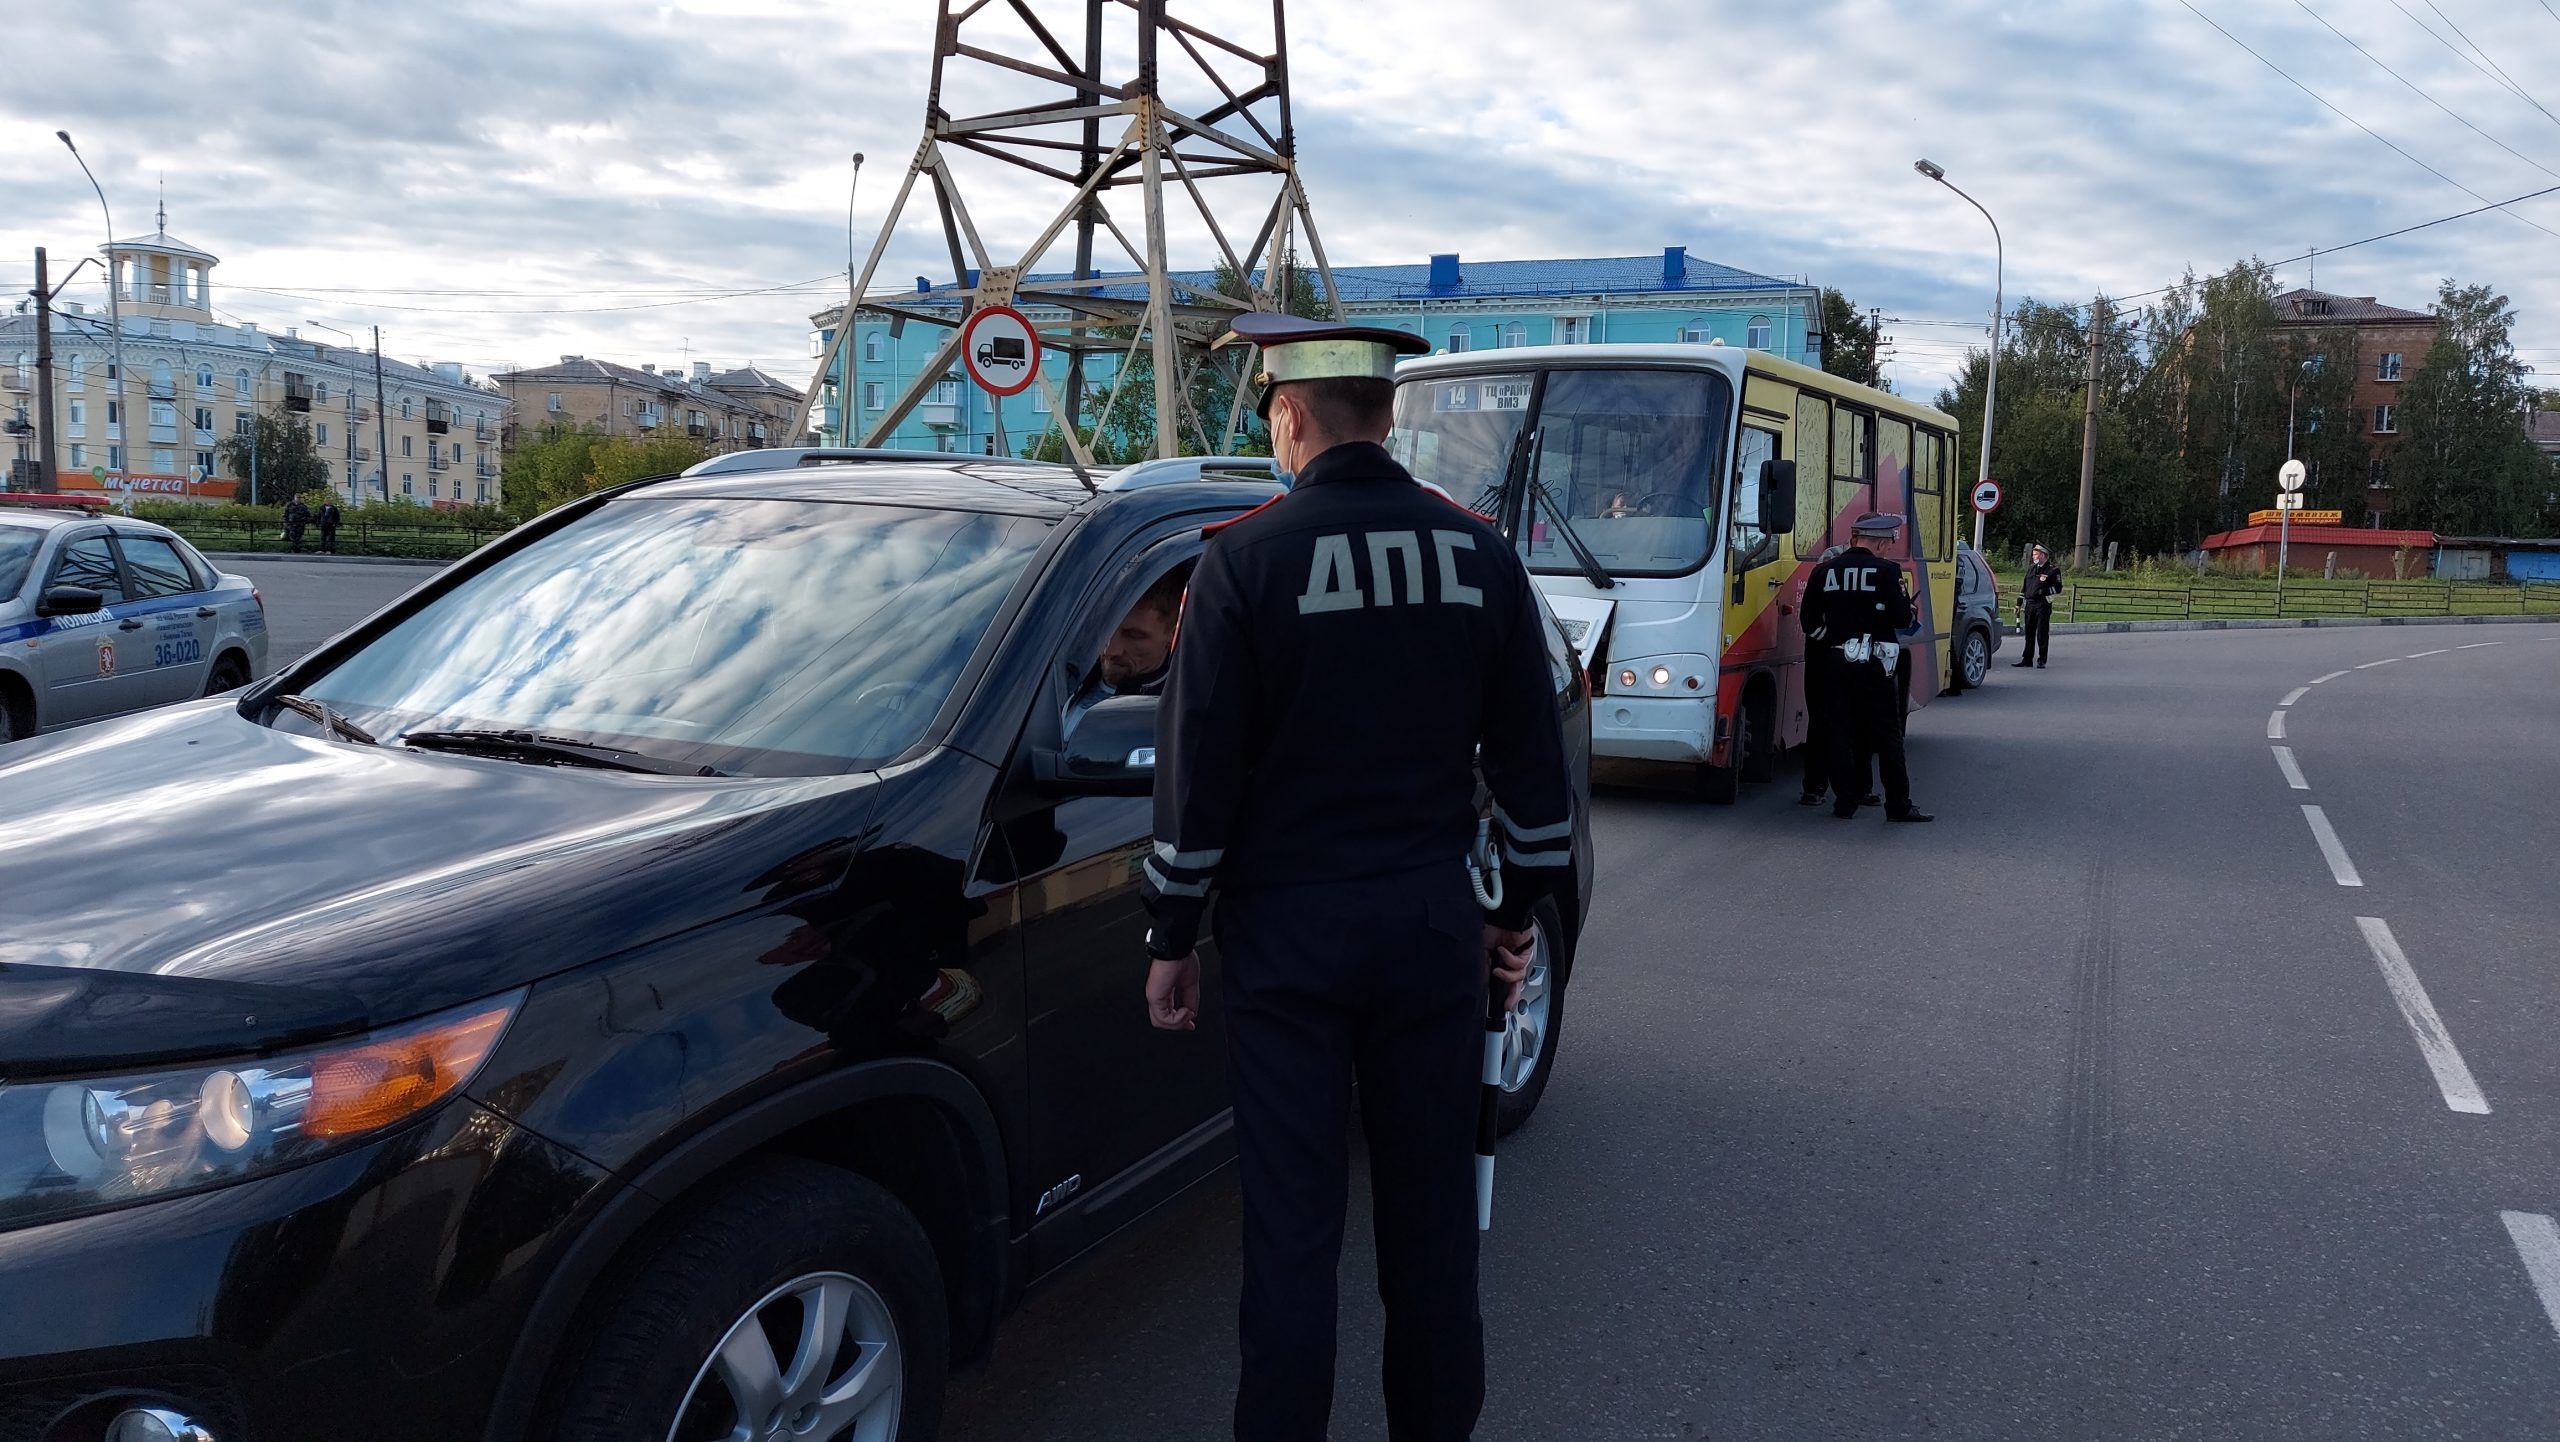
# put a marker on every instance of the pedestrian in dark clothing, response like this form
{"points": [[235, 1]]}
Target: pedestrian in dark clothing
{"points": [[2035, 607], [297, 516], [1856, 609], [329, 527], [1345, 650]]}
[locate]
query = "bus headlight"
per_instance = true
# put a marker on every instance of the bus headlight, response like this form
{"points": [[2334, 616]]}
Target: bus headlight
{"points": [[1662, 677], [69, 1146]]}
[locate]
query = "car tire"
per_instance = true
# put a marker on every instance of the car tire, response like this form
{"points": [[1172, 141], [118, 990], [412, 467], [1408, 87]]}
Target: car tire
{"points": [[1531, 1036], [1973, 663], [229, 673], [665, 1339], [17, 713]]}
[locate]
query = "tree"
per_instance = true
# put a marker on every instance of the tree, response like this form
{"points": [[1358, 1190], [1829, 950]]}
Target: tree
{"points": [[1849, 342], [279, 454], [2466, 463], [563, 462]]}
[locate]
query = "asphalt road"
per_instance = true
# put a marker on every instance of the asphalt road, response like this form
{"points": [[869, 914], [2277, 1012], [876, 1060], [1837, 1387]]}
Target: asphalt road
{"points": [[2087, 1112], [2099, 1109], [310, 601]]}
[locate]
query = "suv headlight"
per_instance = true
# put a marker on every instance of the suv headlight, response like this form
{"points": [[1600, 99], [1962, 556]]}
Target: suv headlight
{"points": [[76, 1146]]}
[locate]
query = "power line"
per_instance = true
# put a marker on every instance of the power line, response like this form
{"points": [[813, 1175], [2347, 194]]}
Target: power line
{"points": [[2493, 64], [316, 299], [2423, 95], [2351, 120], [2507, 85]]}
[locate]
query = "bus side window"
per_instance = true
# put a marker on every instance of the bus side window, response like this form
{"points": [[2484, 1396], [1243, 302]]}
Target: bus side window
{"points": [[1813, 475], [1852, 467], [1893, 478], [1758, 445]]}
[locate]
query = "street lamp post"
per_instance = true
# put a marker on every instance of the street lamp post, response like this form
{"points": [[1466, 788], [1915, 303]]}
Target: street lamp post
{"points": [[1991, 382], [115, 313], [355, 479]]}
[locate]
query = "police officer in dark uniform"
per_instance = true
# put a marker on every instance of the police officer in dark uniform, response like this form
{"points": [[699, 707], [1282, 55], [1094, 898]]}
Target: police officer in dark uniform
{"points": [[2035, 607], [1344, 652], [1821, 718], [1857, 607]]}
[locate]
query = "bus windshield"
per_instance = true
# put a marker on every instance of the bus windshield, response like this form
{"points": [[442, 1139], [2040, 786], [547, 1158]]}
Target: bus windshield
{"points": [[1630, 460]]}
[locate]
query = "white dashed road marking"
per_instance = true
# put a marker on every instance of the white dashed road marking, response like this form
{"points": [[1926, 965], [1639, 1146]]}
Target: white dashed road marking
{"points": [[2296, 694], [2275, 725], [2537, 1240], [2292, 772], [2453, 1079], [2385, 661], [2331, 848], [2324, 680], [2440, 650], [2476, 645]]}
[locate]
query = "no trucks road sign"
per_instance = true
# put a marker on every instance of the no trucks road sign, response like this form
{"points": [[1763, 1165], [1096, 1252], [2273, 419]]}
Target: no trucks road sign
{"points": [[1986, 496], [1001, 350]]}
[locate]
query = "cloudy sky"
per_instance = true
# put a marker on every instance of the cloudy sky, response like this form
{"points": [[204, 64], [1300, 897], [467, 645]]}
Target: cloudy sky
{"points": [[503, 183]]}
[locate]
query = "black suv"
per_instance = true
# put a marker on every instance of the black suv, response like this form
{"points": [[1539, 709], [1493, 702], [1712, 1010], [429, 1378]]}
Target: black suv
{"points": [[674, 975]]}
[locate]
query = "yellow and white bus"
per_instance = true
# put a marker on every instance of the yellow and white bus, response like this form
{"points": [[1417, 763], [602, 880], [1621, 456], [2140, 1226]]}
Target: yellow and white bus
{"points": [[1670, 500]]}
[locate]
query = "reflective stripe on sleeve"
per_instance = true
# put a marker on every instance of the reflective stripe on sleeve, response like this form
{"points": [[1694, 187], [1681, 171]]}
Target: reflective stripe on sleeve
{"points": [[1525, 834], [1167, 887], [1189, 860]]}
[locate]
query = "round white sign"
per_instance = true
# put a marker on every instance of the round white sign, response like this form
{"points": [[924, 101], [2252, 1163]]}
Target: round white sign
{"points": [[1001, 350], [2292, 475], [1986, 497]]}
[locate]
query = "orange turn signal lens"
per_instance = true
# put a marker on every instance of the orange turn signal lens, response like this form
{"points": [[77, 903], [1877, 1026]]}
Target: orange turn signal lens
{"points": [[394, 1077]]}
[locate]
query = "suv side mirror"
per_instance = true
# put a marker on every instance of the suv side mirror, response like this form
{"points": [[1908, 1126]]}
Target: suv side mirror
{"points": [[1777, 497], [69, 601], [1110, 751]]}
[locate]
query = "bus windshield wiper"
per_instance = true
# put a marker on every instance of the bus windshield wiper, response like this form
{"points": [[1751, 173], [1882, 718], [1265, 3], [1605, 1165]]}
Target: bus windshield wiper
{"points": [[1592, 571], [330, 721], [559, 750]]}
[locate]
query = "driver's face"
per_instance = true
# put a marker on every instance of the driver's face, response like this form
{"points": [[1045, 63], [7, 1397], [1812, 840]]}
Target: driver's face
{"points": [[1139, 647]]}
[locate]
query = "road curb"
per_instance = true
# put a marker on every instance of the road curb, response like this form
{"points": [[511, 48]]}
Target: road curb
{"points": [[2297, 623], [218, 557]]}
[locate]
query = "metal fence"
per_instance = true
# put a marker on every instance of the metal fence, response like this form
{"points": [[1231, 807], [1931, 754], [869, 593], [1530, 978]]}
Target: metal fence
{"points": [[2105, 600], [355, 538]]}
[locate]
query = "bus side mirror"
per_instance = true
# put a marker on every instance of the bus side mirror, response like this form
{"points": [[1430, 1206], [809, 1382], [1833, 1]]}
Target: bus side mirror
{"points": [[1777, 497]]}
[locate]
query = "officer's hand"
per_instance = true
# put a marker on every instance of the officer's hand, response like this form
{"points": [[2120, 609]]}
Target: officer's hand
{"points": [[1173, 993], [1506, 958]]}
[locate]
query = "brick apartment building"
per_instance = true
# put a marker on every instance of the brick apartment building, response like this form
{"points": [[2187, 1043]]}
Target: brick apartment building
{"points": [[737, 410], [2391, 344]]}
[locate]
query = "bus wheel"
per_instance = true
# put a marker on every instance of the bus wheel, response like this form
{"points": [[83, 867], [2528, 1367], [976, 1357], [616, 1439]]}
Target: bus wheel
{"points": [[1722, 785], [1759, 725]]}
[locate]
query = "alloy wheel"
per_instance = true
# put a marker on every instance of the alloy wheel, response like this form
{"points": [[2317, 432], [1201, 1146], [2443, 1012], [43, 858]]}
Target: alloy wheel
{"points": [[1977, 658], [818, 1360], [1524, 1032]]}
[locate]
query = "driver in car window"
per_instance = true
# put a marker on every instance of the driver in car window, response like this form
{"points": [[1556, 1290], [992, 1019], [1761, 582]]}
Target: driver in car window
{"points": [[1139, 653]]}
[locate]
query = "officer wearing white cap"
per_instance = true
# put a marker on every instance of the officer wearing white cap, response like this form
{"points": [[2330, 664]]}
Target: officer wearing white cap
{"points": [[1857, 607], [1344, 653]]}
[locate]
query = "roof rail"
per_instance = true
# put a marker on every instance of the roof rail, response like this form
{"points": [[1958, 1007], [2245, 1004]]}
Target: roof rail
{"points": [[1191, 468]]}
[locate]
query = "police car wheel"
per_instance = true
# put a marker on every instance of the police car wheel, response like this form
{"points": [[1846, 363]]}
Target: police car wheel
{"points": [[228, 674], [17, 715], [1976, 661], [1530, 1035], [799, 1302]]}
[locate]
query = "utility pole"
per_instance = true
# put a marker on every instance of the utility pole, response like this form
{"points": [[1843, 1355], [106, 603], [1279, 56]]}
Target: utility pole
{"points": [[2089, 441], [46, 481], [381, 418]]}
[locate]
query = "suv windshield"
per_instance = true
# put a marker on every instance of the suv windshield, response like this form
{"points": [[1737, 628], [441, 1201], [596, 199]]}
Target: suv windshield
{"points": [[18, 547], [1632, 458], [760, 636]]}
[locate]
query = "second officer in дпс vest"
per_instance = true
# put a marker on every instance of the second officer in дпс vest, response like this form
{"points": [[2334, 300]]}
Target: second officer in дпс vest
{"points": [[1857, 608], [1344, 652]]}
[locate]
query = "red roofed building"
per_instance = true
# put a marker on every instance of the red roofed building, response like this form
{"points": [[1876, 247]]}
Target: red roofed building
{"points": [[2372, 555]]}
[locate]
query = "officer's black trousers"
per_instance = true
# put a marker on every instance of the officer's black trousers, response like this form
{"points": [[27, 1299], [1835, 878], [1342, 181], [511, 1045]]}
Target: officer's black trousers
{"points": [[1869, 723], [2037, 632], [1382, 980], [1821, 719]]}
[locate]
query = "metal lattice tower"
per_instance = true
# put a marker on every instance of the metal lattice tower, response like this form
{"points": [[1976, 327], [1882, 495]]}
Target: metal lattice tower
{"points": [[1228, 164]]}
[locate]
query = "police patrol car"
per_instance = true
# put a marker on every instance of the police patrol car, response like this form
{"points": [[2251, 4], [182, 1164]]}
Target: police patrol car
{"points": [[104, 614]]}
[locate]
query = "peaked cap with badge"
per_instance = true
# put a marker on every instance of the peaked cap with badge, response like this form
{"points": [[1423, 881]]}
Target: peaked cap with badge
{"points": [[1295, 348]]}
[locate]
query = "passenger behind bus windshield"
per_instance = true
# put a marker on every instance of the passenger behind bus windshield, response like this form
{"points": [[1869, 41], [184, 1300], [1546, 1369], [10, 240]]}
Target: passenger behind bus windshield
{"points": [[1632, 458]]}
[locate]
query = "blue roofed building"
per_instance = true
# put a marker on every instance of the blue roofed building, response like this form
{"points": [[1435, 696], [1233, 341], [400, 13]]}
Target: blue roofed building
{"points": [[1454, 303]]}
